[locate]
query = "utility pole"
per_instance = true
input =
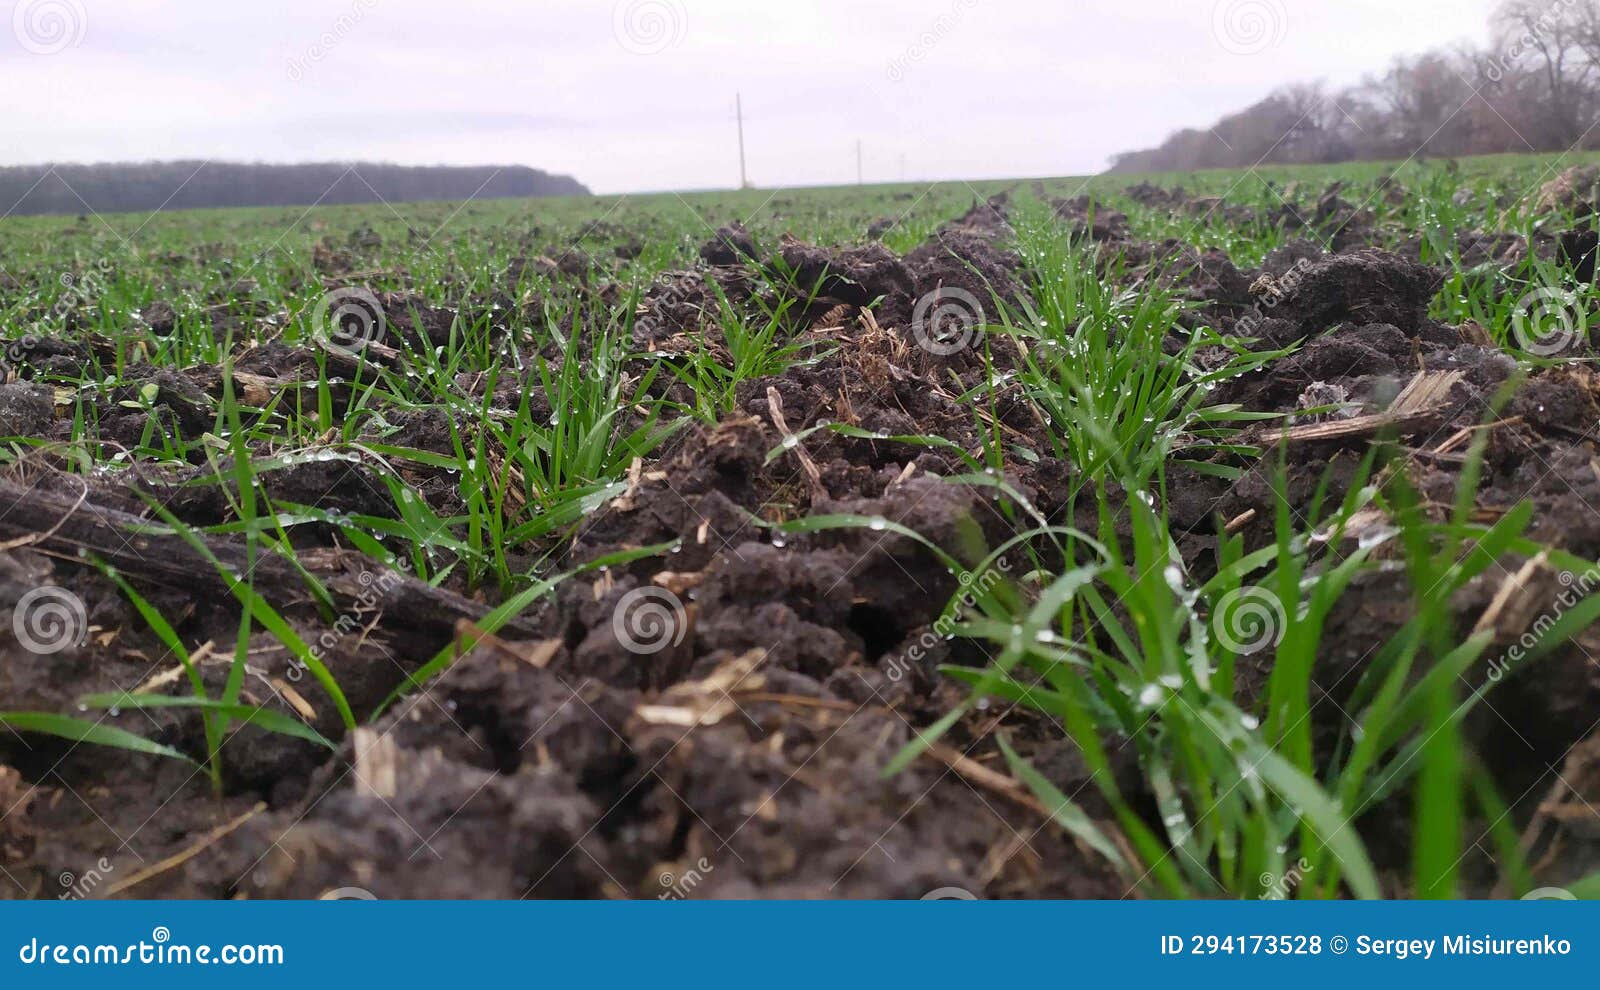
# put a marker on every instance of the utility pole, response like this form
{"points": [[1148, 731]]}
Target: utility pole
{"points": [[738, 109], [858, 162]]}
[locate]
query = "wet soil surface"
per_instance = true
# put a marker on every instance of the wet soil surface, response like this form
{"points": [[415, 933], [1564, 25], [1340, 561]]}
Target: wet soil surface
{"points": [[714, 722]]}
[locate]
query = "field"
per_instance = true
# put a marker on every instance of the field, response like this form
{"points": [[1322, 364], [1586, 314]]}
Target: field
{"points": [[1225, 535]]}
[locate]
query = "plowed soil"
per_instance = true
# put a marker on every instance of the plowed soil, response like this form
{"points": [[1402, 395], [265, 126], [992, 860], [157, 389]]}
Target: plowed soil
{"points": [[745, 758]]}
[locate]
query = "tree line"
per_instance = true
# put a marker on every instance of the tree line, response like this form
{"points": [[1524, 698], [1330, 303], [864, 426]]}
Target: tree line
{"points": [[1536, 87], [145, 186]]}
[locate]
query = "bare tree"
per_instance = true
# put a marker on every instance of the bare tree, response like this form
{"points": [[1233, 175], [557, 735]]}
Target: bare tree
{"points": [[135, 186], [1537, 88], [1560, 41], [1424, 100]]}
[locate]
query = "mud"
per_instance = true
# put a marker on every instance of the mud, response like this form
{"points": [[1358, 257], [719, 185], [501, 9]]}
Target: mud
{"points": [[744, 757]]}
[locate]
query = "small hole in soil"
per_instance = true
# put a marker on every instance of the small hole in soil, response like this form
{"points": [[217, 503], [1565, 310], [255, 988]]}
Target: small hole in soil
{"points": [[501, 751], [878, 628]]}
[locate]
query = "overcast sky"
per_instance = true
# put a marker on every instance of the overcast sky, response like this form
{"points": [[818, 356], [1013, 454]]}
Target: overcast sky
{"points": [[639, 94]]}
